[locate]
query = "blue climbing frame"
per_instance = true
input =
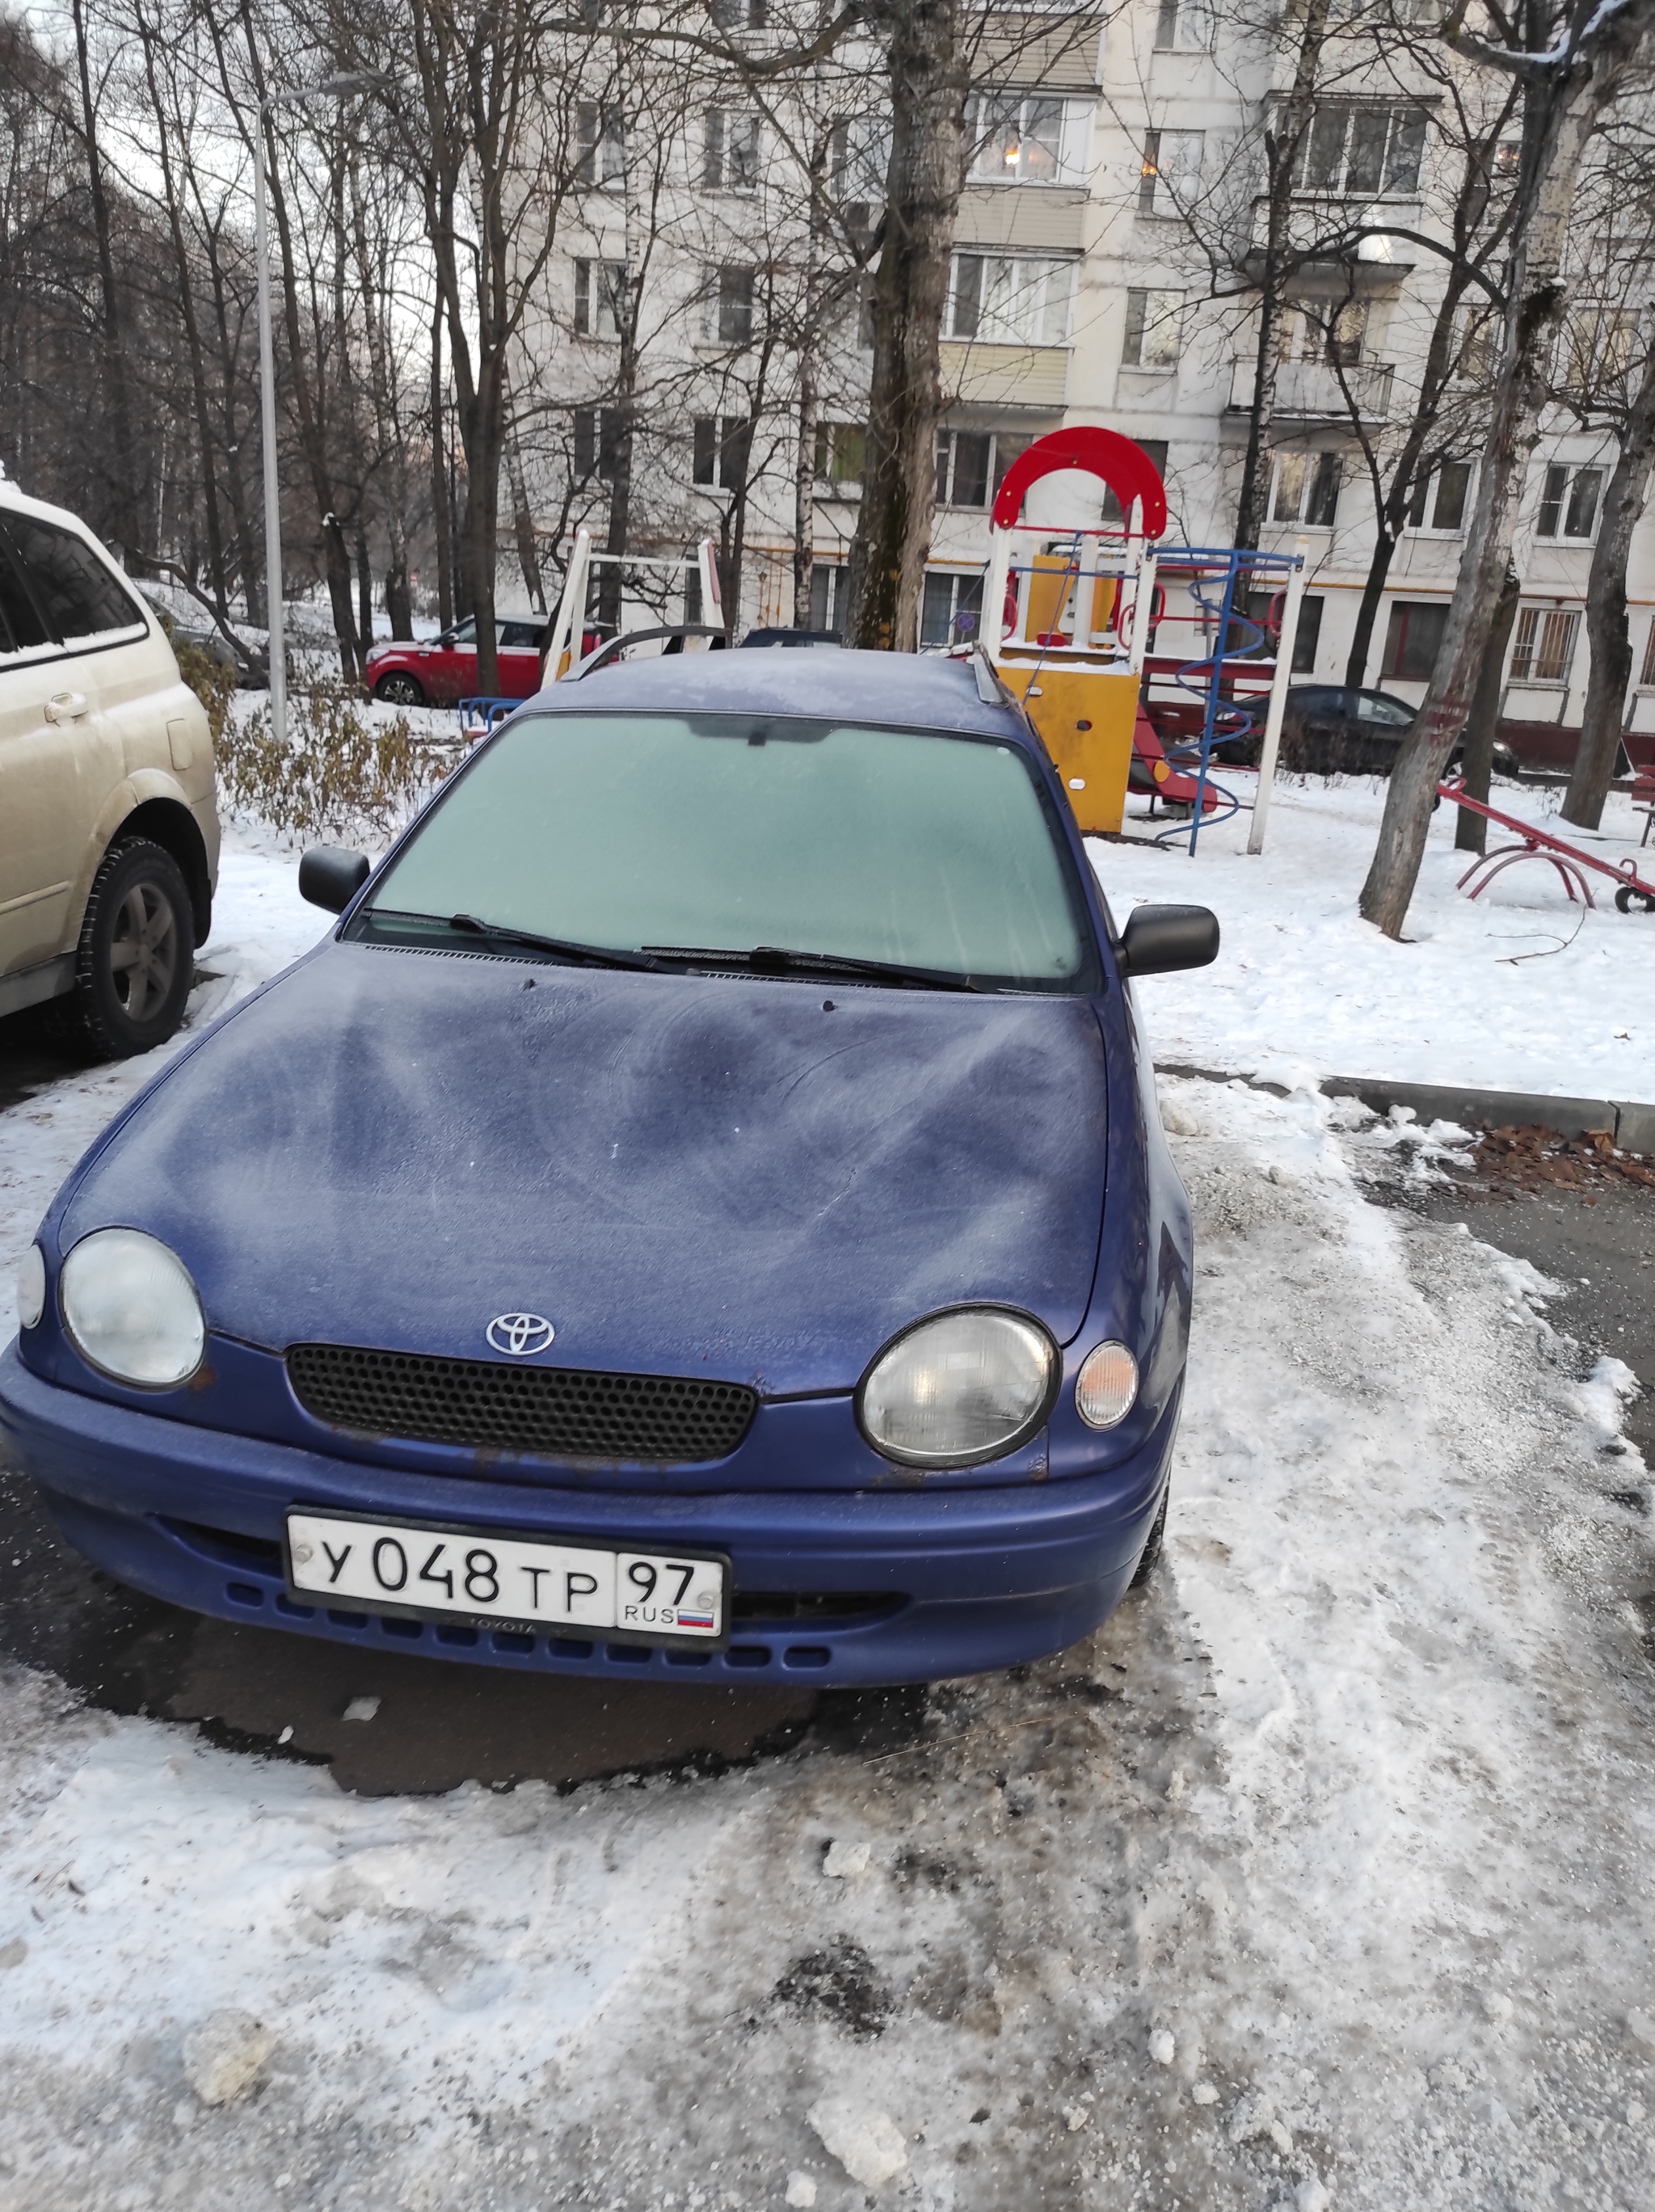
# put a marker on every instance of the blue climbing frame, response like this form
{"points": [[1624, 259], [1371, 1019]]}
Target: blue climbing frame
{"points": [[1222, 569]]}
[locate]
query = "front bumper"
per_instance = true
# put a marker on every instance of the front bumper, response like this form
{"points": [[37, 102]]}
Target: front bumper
{"points": [[948, 1581]]}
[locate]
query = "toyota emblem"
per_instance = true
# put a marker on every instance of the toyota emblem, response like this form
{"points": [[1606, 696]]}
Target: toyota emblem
{"points": [[520, 1334]]}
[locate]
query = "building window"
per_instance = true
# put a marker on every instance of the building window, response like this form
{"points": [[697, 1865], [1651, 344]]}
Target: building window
{"points": [[828, 595], [842, 454], [740, 14], [1647, 679], [721, 447], [1476, 342], [1307, 489], [600, 298], [1265, 610], [1326, 330], [1443, 497], [1156, 450], [1568, 502], [1184, 26], [1171, 176], [949, 609], [596, 436], [1004, 300], [1542, 646], [971, 464], [1414, 639], [727, 306], [1024, 138], [602, 145], [1357, 150], [858, 154], [1597, 347], [1154, 329], [730, 151]]}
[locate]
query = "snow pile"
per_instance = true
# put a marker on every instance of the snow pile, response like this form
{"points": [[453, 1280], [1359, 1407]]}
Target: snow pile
{"points": [[1318, 1878], [1489, 993]]}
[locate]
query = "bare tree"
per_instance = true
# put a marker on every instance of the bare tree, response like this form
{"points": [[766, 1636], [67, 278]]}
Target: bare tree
{"points": [[1571, 67]]}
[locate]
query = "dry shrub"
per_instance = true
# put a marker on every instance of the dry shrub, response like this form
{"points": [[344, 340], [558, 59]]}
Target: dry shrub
{"points": [[342, 775], [212, 683]]}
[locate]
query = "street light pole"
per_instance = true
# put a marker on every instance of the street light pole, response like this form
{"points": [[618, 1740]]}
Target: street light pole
{"points": [[277, 655], [352, 80]]}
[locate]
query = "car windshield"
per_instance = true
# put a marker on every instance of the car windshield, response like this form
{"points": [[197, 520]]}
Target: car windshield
{"points": [[665, 833]]}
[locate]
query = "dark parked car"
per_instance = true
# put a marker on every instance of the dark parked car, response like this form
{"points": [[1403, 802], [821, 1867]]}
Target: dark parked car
{"points": [[704, 1207], [1334, 729]]}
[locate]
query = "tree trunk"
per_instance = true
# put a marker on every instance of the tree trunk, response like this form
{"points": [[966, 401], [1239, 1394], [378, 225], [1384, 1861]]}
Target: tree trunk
{"points": [[1471, 831], [928, 79], [364, 596], [122, 481], [392, 465], [1368, 610], [804, 458], [1564, 108], [522, 528], [1606, 612], [441, 522]]}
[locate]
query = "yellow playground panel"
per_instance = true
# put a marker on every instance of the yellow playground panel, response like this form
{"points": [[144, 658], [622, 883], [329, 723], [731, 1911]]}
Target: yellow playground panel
{"points": [[1065, 614]]}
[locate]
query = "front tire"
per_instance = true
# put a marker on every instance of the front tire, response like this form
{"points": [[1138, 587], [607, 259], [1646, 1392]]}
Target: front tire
{"points": [[135, 956], [1151, 1555], [399, 689]]}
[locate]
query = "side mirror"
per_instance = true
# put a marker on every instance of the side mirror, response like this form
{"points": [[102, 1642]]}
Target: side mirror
{"points": [[1159, 938], [331, 877]]}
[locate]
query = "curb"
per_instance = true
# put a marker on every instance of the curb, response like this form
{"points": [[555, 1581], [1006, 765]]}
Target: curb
{"points": [[1631, 1122]]}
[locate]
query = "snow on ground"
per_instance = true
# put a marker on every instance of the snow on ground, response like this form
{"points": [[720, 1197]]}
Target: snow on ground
{"points": [[1483, 994], [1320, 1877]]}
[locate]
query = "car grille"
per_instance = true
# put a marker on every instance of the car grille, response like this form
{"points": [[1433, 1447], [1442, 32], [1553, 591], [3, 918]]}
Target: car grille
{"points": [[555, 1413]]}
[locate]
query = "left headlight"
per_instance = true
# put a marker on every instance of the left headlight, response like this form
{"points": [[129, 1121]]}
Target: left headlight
{"points": [[131, 1309], [963, 1387]]}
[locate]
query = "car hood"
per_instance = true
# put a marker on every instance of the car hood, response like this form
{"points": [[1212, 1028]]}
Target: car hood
{"points": [[685, 1174]]}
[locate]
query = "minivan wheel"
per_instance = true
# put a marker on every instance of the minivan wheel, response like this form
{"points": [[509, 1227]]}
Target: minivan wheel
{"points": [[399, 689], [1151, 1553], [136, 958]]}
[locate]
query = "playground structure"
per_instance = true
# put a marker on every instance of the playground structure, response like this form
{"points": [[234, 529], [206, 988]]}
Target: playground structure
{"points": [[1536, 844], [1082, 608], [566, 637]]}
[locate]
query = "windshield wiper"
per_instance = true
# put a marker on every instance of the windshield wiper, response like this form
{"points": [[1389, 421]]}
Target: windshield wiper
{"points": [[563, 948], [778, 960]]}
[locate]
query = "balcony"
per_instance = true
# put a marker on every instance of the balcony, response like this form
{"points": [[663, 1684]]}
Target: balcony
{"points": [[1311, 390]]}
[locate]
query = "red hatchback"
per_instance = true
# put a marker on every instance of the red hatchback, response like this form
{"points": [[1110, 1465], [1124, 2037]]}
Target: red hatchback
{"points": [[437, 671]]}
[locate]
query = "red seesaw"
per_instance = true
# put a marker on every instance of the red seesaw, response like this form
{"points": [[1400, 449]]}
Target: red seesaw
{"points": [[1569, 860]]}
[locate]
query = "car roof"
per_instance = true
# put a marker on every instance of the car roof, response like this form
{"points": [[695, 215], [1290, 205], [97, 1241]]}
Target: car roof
{"points": [[904, 690], [19, 502]]}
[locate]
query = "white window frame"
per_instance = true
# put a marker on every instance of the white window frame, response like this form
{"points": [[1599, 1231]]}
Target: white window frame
{"points": [[1428, 526], [1157, 313], [1309, 465], [1184, 27], [712, 301], [600, 296], [603, 142], [1170, 175], [1050, 281], [988, 114], [1570, 472], [1397, 114], [1533, 623], [732, 146], [948, 436]]}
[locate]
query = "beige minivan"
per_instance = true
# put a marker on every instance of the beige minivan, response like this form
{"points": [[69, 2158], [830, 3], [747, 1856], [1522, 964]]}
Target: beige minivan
{"points": [[108, 832]]}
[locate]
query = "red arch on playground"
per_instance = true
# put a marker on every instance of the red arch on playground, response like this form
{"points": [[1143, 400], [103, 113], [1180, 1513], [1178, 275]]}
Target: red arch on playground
{"points": [[1125, 468]]}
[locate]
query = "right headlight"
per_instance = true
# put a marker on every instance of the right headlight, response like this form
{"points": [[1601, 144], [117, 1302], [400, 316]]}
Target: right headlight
{"points": [[961, 1388], [1105, 1389], [131, 1309]]}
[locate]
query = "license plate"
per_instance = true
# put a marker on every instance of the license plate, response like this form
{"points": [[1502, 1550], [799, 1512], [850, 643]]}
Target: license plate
{"points": [[396, 1566]]}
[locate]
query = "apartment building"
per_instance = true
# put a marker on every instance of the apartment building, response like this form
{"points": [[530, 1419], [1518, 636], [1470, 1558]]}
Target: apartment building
{"points": [[1103, 271]]}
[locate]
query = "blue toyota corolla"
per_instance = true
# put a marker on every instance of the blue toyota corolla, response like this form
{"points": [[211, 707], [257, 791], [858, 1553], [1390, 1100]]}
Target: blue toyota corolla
{"points": [[703, 1208]]}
